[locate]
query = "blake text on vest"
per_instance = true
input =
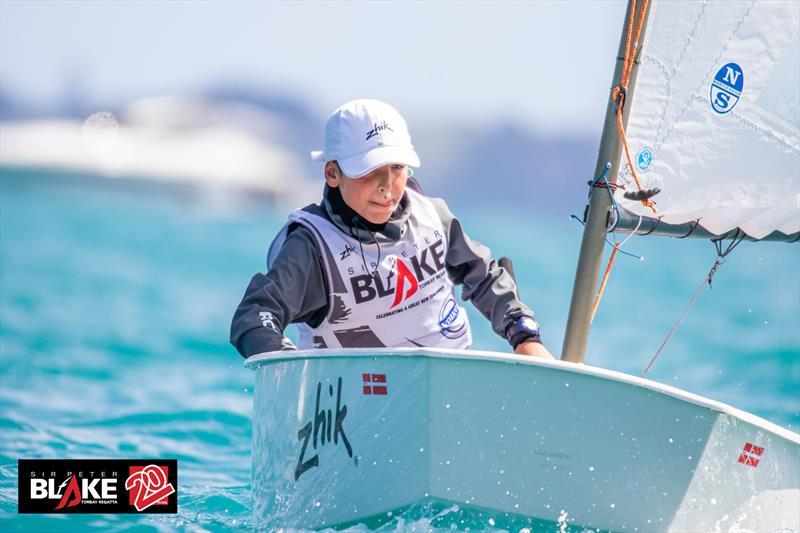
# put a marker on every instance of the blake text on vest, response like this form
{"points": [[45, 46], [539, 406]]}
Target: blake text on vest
{"points": [[425, 264]]}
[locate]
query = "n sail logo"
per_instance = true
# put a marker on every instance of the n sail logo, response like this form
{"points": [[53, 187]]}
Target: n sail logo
{"points": [[726, 88], [97, 486]]}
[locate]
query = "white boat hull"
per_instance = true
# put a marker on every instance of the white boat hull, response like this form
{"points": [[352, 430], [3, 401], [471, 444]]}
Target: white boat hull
{"points": [[509, 434]]}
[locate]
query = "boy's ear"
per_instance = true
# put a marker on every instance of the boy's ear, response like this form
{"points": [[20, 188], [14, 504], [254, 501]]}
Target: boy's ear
{"points": [[332, 174]]}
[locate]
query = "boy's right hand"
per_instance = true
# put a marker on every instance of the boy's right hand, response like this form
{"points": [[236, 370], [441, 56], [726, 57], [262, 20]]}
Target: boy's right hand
{"points": [[534, 349]]}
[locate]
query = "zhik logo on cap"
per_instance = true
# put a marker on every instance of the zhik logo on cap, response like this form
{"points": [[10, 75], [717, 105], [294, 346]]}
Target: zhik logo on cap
{"points": [[377, 129], [363, 135]]}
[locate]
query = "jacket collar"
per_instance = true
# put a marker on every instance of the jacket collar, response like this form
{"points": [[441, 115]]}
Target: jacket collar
{"points": [[350, 223]]}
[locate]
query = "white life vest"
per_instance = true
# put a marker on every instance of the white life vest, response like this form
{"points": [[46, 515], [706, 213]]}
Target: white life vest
{"points": [[402, 298]]}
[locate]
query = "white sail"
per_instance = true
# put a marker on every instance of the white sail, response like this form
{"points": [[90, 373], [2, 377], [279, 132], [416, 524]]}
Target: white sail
{"points": [[715, 117]]}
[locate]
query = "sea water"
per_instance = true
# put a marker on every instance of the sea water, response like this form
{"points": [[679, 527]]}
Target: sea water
{"points": [[116, 298]]}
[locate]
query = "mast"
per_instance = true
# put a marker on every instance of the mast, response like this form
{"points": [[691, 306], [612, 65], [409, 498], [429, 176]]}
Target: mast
{"points": [[591, 253]]}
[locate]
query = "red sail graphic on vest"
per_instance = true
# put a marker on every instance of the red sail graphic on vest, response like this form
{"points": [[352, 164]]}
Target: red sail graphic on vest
{"points": [[73, 491], [404, 275]]}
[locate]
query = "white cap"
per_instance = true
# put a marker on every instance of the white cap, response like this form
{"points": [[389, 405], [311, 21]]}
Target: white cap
{"points": [[363, 135]]}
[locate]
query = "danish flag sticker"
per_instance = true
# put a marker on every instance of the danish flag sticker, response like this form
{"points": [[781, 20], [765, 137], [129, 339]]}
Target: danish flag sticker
{"points": [[375, 384], [751, 455]]}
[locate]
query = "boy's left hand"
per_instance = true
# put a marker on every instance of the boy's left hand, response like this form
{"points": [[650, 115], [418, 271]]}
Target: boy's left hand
{"points": [[535, 349]]}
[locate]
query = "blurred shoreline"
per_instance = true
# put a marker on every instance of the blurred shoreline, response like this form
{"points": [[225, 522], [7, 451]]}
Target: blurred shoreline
{"points": [[256, 145]]}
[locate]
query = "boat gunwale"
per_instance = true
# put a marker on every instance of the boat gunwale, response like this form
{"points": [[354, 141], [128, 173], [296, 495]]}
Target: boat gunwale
{"points": [[258, 360]]}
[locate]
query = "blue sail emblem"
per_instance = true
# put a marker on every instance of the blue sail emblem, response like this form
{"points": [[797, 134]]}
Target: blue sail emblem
{"points": [[726, 88], [644, 159]]}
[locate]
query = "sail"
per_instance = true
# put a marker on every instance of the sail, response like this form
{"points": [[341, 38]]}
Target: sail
{"points": [[715, 117]]}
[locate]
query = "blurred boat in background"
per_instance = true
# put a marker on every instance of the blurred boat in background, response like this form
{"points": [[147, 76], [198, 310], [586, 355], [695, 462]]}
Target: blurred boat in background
{"points": [[197, 141]]}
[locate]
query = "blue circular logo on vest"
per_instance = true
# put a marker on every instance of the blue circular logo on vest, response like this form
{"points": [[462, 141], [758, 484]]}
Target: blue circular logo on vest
{"points": [[644, 159], [726, 89], [451, 323]]}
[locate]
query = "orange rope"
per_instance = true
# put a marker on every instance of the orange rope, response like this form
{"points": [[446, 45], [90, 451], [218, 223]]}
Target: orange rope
{"points": [[627, 61], [603, 283], [618, 95], [627, 68], [649, 203]]}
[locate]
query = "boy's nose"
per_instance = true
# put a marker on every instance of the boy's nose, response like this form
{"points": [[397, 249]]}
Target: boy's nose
{"points": [[385, 182]]}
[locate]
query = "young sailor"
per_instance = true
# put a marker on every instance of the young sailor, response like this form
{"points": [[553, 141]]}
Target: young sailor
{"points": [[375, 263]]}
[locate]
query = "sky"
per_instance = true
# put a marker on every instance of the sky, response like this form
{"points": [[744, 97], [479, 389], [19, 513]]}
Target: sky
{"points": [[544, 64]]}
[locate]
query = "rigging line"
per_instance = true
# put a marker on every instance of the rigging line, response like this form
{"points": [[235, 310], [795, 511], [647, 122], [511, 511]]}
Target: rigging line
{"points": [[616, 245], [721, 255], [619, 92], [602, 288], [631, 50], [616, 249], [683, 315], [623, 252], [621, 130], [634, 51], [735, 241], [601, 182], [631, 234], [626, 60]]}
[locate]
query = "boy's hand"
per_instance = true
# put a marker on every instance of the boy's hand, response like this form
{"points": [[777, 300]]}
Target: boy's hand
{"points": [[535, 349]]}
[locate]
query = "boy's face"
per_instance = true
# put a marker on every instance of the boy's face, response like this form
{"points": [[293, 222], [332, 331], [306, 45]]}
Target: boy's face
{"points": [[373, 196]]}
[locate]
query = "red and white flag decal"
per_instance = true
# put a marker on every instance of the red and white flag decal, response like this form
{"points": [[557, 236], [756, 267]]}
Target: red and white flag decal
{"points": [[751, 454], [371, 386]]}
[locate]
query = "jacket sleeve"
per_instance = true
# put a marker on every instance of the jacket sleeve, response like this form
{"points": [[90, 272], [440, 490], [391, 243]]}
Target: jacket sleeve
{"points": [[489, 287], [293, 290]]}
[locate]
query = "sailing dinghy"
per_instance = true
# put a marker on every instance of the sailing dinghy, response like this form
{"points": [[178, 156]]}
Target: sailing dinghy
{"points": [[355, 436], [342, 437]]}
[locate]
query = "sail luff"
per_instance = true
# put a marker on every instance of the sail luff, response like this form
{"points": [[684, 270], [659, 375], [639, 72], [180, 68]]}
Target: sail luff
{"points": [[576, 337]]}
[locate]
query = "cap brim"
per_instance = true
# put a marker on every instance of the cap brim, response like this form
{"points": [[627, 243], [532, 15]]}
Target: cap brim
{"points": [[318, 155], [361, 164]]}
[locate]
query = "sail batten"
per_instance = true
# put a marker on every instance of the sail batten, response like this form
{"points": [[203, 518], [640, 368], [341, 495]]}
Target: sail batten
{"points": [[715, 122]]}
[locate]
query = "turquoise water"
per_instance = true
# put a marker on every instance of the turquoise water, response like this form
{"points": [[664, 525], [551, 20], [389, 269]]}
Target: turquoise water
{"points": [[116, 297]]}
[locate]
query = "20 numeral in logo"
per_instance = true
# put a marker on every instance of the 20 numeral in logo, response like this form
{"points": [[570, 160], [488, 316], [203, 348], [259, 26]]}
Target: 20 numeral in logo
{"points": [[148, 486]]}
